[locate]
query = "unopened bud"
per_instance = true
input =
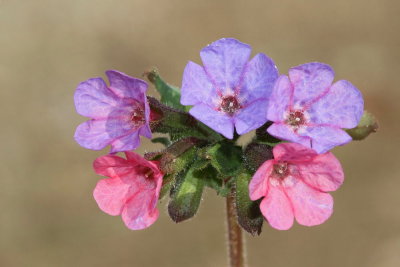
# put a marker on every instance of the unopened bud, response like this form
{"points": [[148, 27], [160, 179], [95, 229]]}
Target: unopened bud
{"points": [[256, 154], [365, 127]]}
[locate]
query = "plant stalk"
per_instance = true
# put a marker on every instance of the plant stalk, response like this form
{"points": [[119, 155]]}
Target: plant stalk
{"points": [[235, 236]]}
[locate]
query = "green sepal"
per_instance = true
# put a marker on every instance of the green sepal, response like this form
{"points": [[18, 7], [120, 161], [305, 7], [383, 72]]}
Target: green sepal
{"points": [[154, 155], [226, 158], [161, 140], [178, 124], [367, 125], [173, 164], [185, 196], [170, 95], [212, 178], [166, 186], [200, 164], [263, 137], [248, 212]]}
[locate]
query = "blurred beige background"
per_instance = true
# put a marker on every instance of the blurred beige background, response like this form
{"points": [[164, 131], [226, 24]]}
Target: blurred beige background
{"points": [[47, 214]]}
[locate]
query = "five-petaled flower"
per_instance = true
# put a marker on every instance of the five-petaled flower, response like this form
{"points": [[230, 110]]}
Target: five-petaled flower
{"points": [[132, 190], [294, 185], [308, 110], [120, 112], [229, 91]]}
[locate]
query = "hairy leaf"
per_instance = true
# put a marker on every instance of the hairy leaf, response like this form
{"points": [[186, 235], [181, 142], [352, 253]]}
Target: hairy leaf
{"points": [[249, 214], [185, 196]]}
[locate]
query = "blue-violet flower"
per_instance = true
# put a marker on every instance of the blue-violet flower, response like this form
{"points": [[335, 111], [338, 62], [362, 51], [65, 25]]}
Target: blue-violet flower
{"points": [[119, 113], [308, 109], [229, 91]]}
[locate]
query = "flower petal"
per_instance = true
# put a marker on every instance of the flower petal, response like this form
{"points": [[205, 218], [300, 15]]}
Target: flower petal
{"points": [[93, 99], [277, 209], [92, 134], [111, 195], [251, 117], [310, 81], [137, 159], [342, 106], [258, 185], [294, 153], [137, 213], [145, 131], [323, 172], [126, 142], [125, 86], [325, 138], [218, 121], [224, 61], [112, 166], [284, 132], [258, 79], [311, 207], [279, 102], [196, 87], [141, 209], [97, 134]]}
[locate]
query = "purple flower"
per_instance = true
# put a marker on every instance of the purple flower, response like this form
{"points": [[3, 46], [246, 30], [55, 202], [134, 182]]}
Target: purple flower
{"points": [[119, 113], [308, 109], [229, 91]]}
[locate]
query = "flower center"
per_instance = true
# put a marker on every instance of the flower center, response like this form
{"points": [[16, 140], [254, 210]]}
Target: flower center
{"points": [[149, 174], [137, 116], [296, 118], [229, 104], [281, 169], [146, 172]]}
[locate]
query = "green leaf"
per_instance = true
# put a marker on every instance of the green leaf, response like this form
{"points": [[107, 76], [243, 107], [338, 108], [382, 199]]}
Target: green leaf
{"points": [[162, 140], [185, 196], [226, 158], [249, 214], [212, 179], [170, 95], [367, 125]]}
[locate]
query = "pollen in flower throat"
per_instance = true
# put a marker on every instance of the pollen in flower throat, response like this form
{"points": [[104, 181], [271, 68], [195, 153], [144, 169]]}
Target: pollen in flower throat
{"points": [[280, 169], [148, 174], [296, 118], [145, 171], [229, 104], [137, 117]]}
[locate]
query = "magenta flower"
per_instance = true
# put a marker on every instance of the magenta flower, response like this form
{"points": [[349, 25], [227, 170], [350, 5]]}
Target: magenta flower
{"points": [[120, 112], [131, 191], [309, 110], [294, 185], [229, 91]]}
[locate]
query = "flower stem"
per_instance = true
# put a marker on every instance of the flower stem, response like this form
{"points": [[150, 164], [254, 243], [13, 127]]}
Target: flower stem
{"points": [[235, 236]]}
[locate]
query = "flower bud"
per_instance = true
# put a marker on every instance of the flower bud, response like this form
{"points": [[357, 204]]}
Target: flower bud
{"points": [[365, 127]]}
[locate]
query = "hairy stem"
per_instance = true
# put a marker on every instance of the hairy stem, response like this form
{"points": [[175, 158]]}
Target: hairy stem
{"points": [[235, 236]]}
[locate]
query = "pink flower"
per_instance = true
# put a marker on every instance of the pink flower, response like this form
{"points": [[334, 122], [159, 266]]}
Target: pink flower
{"points": [[294, 185], [131, 191]]}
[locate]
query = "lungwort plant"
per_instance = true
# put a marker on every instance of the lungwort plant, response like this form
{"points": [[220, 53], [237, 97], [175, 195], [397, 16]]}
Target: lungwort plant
{"points": [[284, 173]]}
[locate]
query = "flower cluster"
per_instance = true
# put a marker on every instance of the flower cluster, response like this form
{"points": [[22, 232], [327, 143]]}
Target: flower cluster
{"points": [[298, 118]]}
